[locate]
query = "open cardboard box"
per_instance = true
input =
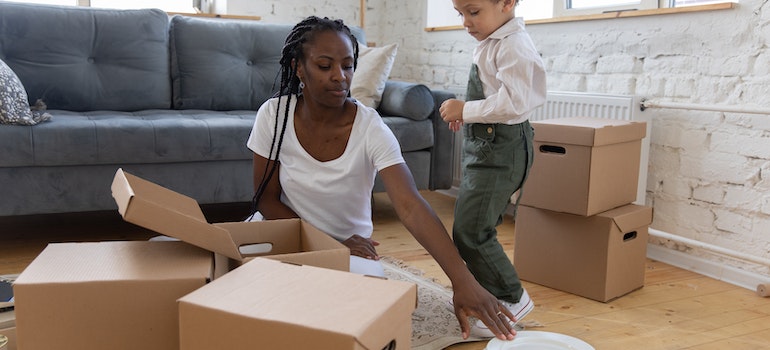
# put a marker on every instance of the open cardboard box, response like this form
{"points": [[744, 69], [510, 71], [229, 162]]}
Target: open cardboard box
{"points": [[268, 304], [172, 214], [584, 165], [600, 257], [118, 295]]}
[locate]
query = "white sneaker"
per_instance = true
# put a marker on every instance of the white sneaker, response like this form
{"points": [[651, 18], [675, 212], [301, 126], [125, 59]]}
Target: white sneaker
{"points": [[519, 310]]}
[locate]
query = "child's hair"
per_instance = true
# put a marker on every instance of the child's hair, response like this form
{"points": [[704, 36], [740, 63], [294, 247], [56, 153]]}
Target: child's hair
{"points": [[292, 52]]}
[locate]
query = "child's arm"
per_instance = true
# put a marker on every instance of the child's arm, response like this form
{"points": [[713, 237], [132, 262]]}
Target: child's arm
{"points": [[452, 112]]}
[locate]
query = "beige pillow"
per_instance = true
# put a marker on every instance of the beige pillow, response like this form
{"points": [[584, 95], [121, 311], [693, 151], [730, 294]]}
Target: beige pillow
{"points": [[374, 65]]}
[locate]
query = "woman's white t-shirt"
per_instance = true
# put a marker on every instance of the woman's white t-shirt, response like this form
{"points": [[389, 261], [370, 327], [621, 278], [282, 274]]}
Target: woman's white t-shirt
{"points": [[334, 196]]}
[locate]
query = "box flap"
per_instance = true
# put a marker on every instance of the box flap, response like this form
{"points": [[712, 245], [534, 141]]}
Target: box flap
{"points": [[629, 217], [588, 131], [157, 208]]}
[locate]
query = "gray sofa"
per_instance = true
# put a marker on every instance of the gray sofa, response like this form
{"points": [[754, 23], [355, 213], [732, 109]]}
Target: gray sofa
{"points": [[170, 99]]}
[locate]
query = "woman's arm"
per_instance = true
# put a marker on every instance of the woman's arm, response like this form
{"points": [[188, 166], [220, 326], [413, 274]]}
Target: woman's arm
{"points": [[470, 298], [270, 205]]}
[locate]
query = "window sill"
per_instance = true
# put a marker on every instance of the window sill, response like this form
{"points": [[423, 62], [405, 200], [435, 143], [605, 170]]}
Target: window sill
{"points": [[617, 14], [212, 15]]}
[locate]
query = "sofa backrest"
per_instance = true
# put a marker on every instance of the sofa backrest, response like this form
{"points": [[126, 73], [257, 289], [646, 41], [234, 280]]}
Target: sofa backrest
{"points": [[226, 64], [83, 59]]}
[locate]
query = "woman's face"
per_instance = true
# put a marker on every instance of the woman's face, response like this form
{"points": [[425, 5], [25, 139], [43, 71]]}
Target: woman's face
{"points": [[327, 69]]}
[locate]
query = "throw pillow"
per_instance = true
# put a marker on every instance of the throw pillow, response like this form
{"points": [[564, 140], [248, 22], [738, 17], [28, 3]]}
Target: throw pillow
{"points": [[14, 107], [374, 65]]}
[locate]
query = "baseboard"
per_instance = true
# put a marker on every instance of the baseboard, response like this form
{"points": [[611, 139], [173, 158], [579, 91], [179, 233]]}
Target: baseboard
{"points": [[451, 192], [715, 270]]}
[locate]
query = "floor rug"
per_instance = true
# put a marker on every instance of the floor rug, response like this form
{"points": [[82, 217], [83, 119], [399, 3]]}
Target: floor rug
{"points": [[433, 325]]}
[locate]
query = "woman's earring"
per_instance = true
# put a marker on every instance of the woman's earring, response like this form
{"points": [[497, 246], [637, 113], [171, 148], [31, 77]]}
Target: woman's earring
{"points": [[301, 85]]}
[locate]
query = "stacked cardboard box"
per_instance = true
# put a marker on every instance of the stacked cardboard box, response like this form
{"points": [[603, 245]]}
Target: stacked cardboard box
{"points": [[124, 295], [576, 228]]}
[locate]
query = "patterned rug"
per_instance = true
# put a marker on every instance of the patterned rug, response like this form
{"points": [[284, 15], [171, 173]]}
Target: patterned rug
{"points": [[433, 325]]}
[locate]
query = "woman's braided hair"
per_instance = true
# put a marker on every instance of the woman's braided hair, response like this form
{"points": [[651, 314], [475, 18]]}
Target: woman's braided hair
{"points": [[293, 52]]}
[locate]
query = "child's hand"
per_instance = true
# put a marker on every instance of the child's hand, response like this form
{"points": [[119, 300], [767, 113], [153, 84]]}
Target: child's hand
{"points": [[455, 126], [452, 110]]}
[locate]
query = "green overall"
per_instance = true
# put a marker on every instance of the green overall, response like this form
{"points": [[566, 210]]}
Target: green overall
{"points": [[495, 162]]}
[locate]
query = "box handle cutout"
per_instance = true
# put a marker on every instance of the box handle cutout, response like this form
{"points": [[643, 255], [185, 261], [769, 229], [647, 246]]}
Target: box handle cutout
{"points": [[256, 249], [552, 149], [391, 345], [629, 236]]}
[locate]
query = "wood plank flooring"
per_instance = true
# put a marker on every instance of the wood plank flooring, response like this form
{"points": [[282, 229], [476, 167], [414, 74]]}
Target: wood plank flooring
{"points": [[676, 309]]}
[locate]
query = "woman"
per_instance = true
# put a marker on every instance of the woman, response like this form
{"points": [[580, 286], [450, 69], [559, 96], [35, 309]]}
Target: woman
{"points": [[329, 148]]}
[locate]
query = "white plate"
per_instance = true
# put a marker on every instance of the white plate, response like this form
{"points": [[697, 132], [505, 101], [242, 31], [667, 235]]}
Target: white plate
{"points": [[537, 340]]}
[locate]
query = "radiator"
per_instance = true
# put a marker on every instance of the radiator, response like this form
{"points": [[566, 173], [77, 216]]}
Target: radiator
{"points": [[563, 104]]}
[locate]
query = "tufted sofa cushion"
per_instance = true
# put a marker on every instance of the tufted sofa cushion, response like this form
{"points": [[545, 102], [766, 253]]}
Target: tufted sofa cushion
{"points": [[212, 60], [68, 66]]}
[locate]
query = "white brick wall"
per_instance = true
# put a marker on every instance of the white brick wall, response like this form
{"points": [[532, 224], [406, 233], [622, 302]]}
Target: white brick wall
{"points": [[292, 11], [709, 172]]}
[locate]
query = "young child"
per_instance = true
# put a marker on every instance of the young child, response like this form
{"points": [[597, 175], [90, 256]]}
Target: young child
{"points": [[507, 82]]}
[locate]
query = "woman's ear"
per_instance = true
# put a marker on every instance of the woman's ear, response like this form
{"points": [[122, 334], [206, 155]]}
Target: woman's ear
{"points": [[297, 66]]}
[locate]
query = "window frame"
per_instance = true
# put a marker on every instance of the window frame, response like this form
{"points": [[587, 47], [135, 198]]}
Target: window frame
{"points": [[560, 8], [726, 5]]}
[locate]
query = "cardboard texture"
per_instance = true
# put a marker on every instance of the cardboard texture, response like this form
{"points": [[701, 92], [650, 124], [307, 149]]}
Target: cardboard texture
{"points": [[107, 295], [267, 304], [599, 257], [583, 165], [157, 208]]}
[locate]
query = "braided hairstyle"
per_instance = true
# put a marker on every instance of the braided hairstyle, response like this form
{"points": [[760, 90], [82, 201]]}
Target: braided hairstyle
{"points": [[293, 51]]}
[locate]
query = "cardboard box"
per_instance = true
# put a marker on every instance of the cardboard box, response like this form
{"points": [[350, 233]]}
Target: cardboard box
{"points": [[599, 257], [107, 295], [267, 304], [172, 214], [584, 165]]}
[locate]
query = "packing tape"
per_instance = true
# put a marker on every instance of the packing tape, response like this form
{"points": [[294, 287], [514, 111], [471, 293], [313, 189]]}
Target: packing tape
{"points": [[763, 289]]}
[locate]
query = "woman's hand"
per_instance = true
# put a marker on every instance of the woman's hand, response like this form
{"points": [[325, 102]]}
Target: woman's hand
{"points": [[363, 247], [470, 299]]}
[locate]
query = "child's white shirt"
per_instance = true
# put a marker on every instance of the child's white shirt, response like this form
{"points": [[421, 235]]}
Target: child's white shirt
{"points": [[512, 75]]}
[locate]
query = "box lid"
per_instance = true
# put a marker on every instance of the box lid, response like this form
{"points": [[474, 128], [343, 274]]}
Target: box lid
{"points": [[84, 262], [629, 217], [588, 131], [324, 304], [170, 213]]}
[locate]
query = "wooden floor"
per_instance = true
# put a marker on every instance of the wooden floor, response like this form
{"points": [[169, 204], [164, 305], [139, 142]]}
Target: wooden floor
{"points": [[676, 309]]}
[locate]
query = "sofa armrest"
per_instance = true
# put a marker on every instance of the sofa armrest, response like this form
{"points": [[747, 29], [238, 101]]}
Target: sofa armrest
{"points": [[418, 102], [442, 158], [404, 99]]}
